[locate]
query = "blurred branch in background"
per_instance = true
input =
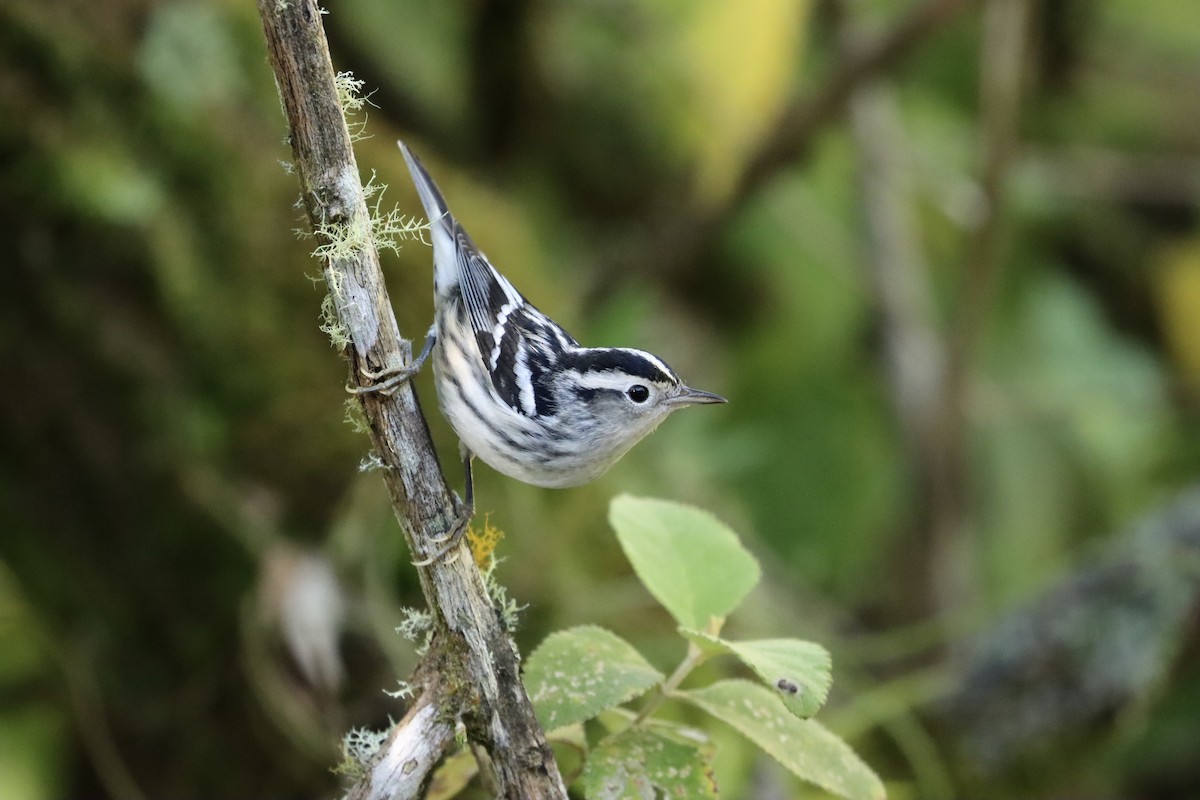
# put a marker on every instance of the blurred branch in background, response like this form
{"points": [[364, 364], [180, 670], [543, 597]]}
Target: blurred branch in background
{"points": [[914, 354], [930, 373], [798, 124], [1116, 177], [91, 716], [1087, 658], [682, 240], [1003, 71], [930, 376]]}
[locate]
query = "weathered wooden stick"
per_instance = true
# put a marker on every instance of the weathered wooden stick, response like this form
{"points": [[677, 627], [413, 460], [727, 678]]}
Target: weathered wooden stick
{"points": [[471, 673]]}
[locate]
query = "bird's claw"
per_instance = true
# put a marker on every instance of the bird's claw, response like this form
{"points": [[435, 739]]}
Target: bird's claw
{"points": [[395, 378], [452, 538]]}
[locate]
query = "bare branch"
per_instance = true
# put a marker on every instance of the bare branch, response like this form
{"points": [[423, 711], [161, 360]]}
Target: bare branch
{"points": [[913, 352], [1115, 177], [1005, 30], [474, 654], [913, 348], [408, 756]]}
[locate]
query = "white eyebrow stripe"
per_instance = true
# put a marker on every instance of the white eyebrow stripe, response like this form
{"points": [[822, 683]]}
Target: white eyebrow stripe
{"points": [[609, 379]]}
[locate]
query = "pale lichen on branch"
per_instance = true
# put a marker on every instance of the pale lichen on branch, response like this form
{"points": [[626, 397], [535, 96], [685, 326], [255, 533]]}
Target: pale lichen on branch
{"points": [[359, 746], [380, 229], [352, 101], [417, 627]]}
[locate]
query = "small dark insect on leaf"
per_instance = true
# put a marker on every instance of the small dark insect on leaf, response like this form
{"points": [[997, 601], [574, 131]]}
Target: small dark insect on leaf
{"points": [[784, 685]]}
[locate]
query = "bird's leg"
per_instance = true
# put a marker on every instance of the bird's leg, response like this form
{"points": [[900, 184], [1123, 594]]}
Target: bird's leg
{"points": [[396, 376], [466, 510]]}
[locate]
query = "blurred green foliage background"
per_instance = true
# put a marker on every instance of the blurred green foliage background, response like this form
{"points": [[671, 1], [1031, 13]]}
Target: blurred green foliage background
{"points": [[953, 298]]}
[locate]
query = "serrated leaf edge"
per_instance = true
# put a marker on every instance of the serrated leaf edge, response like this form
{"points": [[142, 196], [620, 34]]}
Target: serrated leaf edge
{"points": [[715, 645], [626, 696]]}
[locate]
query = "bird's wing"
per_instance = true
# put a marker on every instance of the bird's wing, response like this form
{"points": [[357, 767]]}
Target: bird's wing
{"points": [[517, 343]]}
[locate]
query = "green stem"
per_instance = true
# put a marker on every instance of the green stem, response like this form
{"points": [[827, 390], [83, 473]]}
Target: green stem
{"points": [[692, 659]]}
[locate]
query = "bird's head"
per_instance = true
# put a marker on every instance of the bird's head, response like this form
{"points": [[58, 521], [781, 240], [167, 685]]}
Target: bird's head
{"points": [[623, 394]]}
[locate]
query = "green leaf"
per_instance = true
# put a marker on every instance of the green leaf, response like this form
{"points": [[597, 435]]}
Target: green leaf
{"points": [[617, 720], [692, 563], [798, 672], [569, 735], [570, 745], [577, 673], [639, 764], [452, 776], [803, 746]]}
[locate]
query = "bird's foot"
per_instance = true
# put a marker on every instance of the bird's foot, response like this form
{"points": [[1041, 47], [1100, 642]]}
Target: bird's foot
{"points": [[453, 537], [393, 379]]}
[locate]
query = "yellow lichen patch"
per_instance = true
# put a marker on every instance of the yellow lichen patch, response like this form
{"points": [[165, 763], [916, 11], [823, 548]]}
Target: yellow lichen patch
{"points": [[483, 542]]}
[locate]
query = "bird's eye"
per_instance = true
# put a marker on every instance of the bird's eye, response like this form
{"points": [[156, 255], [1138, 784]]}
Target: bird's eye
{"points": [[638, 393]]}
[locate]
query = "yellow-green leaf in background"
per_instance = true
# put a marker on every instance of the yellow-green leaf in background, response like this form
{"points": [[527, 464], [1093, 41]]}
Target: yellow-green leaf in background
{"points": [[739, 60], [1177, 282]]}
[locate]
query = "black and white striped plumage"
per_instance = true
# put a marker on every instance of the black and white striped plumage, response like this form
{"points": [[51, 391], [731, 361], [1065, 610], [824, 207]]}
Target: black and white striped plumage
{"points": [[518, 390]]}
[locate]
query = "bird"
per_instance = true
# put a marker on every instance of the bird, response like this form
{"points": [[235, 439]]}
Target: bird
{"points": [[520, 392]]}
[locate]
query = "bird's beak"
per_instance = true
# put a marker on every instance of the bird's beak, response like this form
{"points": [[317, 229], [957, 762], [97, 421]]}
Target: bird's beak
{"points": [[688, 397]]}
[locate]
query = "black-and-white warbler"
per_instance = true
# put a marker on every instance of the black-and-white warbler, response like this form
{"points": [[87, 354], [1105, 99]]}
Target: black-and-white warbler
{"points": [[518, 390]]}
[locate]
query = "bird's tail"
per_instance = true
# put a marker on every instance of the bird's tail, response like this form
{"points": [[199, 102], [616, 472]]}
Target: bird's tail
{"points": [[441, 224]]}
